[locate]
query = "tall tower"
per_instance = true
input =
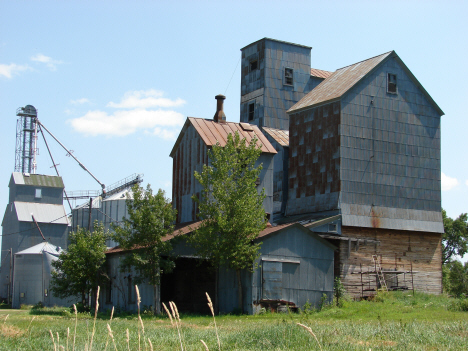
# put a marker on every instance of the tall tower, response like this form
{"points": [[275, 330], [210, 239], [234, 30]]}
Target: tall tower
{"points": [[275, 75], [26, 140]]}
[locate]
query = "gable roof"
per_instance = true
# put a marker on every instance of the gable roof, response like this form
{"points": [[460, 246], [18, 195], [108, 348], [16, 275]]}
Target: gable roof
{"points": [[279, 135], [338, 83], [212, 132], [343, 79]]}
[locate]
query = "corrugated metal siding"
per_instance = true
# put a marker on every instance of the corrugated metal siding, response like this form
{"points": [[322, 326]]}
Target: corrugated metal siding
{"points": [[390, 154], [280, 140], [314, 160], [189, 157], [305, 281]]}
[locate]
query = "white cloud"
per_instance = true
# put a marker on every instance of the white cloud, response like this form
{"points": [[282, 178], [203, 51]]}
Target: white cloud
{"points": [[80, 101], [167, 134], [448, 183], [10, 70], [122, 123], [146, 99], [51, 63]]}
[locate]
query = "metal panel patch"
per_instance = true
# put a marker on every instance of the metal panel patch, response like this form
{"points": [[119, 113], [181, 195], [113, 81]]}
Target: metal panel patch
{"points": [[272, 273]]}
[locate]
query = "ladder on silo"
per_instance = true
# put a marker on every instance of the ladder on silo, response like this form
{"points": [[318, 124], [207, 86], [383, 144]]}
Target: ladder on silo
{"points": [[378, 271]]}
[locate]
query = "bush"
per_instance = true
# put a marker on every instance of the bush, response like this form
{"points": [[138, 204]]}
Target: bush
{"points": [[459, 305], [339, 292], [79, 307], [38, 306]]}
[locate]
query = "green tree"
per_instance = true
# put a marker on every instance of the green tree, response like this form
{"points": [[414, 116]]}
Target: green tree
{"points": [[79, 270], [231, 209], [458, 278], [455, 237], [150, 219]]}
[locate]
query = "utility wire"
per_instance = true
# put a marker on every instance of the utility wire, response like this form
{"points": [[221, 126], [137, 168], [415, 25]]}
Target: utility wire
{"points": [[27, 230], [232, 75]]}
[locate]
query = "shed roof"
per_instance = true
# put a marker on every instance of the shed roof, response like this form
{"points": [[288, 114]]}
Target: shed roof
{"points": [[43, 213], [188, 227], [212, 133], [37, 180], [279, 135], [40, 248], [319, 73], [343, 79]]}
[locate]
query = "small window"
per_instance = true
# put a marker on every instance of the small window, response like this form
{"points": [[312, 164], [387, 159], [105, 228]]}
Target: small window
{"points": [[253, 65], [38, 194], [251, 111], [392, 83], [332, 227], [288, 76]]}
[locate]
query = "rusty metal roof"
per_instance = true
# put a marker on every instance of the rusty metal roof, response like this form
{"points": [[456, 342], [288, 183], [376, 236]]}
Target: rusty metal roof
{"points": [[320, 73], [338, 83], [212, 132], [343, 79], [279, 135]]}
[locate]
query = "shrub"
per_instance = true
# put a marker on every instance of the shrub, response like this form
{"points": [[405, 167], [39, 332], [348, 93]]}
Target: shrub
{"points": [[38, 306], [339, 292]]}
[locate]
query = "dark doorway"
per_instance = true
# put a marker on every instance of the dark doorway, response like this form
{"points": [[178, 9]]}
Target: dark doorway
{"points": [[187, 284]]}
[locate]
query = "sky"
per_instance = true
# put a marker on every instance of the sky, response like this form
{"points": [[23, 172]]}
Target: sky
{"points": [[114, 81]]}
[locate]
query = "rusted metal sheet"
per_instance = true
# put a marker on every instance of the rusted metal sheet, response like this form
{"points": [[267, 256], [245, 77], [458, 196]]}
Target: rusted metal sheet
{"points": [[272, 280], [314, 162]]}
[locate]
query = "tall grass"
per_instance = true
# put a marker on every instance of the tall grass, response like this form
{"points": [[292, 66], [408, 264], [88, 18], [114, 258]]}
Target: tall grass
{"points": [[393, 321]]}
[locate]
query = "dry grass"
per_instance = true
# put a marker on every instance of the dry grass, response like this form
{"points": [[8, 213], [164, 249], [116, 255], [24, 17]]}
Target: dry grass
{"points": [[10, 331]]}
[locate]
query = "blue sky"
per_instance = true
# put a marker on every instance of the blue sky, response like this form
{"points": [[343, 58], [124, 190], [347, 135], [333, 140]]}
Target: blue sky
{"points": [[115, 80]]}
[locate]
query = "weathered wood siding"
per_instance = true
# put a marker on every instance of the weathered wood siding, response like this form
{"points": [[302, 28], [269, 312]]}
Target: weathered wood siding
{"points": [[397, 250]]}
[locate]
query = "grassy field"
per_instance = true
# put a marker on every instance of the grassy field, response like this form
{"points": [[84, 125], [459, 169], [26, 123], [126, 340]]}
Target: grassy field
{"points": [[393, 321]]}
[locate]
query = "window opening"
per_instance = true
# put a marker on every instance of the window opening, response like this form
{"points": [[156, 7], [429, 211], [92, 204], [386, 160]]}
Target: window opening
{"points": [[391, 83], [131, 290], [38, 193], [251, 111], [253, 65], [288, 76], [109, 291]]}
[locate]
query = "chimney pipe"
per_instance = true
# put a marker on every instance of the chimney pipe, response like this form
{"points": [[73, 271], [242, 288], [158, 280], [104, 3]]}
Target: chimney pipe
{"points": [[219, 116]]}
